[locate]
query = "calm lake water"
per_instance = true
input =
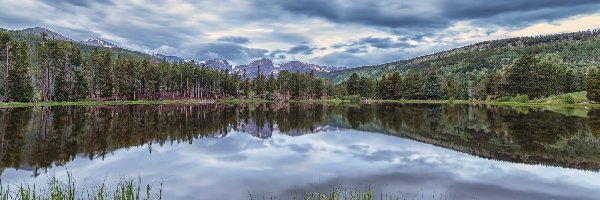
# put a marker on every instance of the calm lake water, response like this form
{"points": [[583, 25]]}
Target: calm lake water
{"points": [[229, 151]]}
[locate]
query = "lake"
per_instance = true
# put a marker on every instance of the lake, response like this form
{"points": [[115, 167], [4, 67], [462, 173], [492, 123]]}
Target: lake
{"points": [[218, 151]]}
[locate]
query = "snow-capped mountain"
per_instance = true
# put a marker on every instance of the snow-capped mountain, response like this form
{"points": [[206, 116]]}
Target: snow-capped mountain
{"points": [[251, 70], [294, 66], [100, 43], [219, 64], [169, 59], [267, 67]]}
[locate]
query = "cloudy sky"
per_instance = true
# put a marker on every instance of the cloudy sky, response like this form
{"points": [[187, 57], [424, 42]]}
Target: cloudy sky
{"points": [[327, 32]]}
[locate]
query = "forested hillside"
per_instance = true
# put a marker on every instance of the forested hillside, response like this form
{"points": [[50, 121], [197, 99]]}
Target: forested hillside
{"points": [[41, 68], [31, 39], [577, 50]]}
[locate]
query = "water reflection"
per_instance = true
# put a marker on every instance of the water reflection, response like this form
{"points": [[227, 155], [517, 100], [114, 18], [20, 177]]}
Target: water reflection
{"points": [[37, 138], [203, 147]]}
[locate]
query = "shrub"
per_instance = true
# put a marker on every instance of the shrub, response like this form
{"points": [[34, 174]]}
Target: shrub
{"points": [[354, 98], [503, 99], [568, 99], [521, 98], [231, 99]]}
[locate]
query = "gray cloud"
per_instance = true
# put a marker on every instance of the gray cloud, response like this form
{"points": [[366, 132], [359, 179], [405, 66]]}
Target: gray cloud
{"points": [[361, 45], [431, 13], [383, 43], [234, 39], [228, 51], [303, 49], [83, 3], [359, 49], [270, 24], [354, 58]]}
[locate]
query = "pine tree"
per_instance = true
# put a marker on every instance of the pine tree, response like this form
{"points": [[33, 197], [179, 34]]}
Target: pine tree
{"points": [[51, 58], [246, 85], [395, 87], [259, 84], [101, 62], [64, 78], [153, 77], [432, 88], [353, 84], [271, 84], [381, 87], [20, 88], [120, 78], [132, 79], [520, 76], [495, 85], [365, 86], [81, 88], [316, 88], [581, 80], [413, 84], [5, 42], [534, 77], [451, 88], [593, 85], [295, 86], [569, 82]]}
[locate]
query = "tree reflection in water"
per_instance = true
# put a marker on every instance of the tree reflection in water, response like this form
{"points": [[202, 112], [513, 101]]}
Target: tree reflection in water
{"points": [[37, 138]]}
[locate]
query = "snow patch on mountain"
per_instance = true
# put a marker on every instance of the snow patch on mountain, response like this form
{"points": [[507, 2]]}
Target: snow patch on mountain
{"points": [[100, 43]]}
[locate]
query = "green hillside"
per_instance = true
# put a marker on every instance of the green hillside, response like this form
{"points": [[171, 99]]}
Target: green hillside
{"points": [[578, 50], [31, 40]]}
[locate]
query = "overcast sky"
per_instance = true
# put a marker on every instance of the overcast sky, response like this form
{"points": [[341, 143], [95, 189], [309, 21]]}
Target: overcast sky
{"points": [[327, 32]]}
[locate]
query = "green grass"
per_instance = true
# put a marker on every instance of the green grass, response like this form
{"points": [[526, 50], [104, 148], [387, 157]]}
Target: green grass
{"points": [[126, 189], [577, 99], [97, 103]]}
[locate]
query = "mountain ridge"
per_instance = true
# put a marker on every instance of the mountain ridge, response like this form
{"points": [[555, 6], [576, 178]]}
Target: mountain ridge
{"points": [[570, 48], [220, 64], [50, 34]]}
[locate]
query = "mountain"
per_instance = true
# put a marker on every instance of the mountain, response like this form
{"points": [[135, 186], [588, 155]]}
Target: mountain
{"points": [[251, 70], [37, 31], [267, 67], [169, 59], [579, 50], [219, 64], [294, 66], [99, 43], [31, 37]]}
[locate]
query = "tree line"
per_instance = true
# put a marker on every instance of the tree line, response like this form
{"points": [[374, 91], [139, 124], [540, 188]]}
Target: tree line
{"points": [[60, 73], [529, 75]]}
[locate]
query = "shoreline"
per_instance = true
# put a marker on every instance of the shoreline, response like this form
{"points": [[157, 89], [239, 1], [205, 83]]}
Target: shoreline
{"points": [[8, 105]]}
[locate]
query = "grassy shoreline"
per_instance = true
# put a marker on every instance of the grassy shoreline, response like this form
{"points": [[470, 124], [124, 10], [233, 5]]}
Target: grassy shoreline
{"points": [[100, 103], [493, 103], [6, 105]]}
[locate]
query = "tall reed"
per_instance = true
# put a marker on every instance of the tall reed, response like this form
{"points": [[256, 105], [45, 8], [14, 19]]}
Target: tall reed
{"points": [[125, 189]]}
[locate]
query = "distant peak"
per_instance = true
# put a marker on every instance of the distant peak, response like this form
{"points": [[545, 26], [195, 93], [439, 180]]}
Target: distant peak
{"points": [[100, 43], [170, 59], [49, 34]]}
